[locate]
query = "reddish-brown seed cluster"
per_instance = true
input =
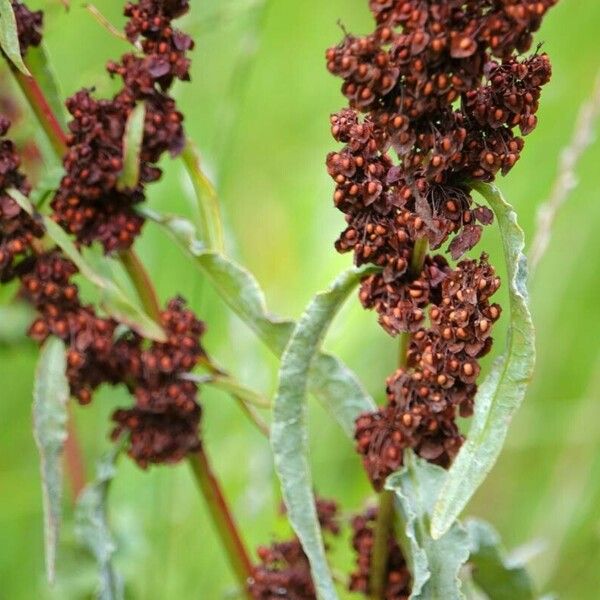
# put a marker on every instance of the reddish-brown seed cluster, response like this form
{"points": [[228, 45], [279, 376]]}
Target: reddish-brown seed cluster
{"points": [[439, 382], [163, 424], [284, 570], [29, 25], [89, 203], [17, 230], [398, 581], [443, 90], [444, 93]]}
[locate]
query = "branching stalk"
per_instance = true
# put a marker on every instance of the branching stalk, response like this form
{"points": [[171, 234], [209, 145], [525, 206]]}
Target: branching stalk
{"points": [[222, 518]]}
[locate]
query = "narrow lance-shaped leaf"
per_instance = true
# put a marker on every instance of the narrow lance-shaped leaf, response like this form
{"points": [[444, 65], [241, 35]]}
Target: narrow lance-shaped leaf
{"points": [[93, 530], [9, 38], [491, 570], [50, 398], [113, 299], [39, 65], [503, 391], [132, 147], [289, 437], [330, 380], [434, 564]]}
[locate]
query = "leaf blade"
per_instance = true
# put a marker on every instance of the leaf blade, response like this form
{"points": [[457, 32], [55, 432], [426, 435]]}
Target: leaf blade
{"points": [[435, 564], [9, 38], [132, 147], [491, 570], [289, 437], [51, 396], [92, 527], [503, 391]]}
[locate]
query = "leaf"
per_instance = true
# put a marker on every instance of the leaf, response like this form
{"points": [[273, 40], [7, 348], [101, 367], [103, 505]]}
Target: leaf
{"points": [[208, 204], [47, 186], [50, 398], [330, 380], [132, 146], [39, 65], [15, 319], [435, 564], [9, 38], [289, 438], [247, 395], [503, 391], [92, 527], [491, 570], [113, 299]]}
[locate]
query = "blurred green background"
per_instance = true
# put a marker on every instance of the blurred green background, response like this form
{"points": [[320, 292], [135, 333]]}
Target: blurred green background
{"points": [[258, 108]]}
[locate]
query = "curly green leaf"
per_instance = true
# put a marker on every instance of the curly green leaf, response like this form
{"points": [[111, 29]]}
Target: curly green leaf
{"points": [[289, 437], [503, 391], [132, 147], [434, 564]]}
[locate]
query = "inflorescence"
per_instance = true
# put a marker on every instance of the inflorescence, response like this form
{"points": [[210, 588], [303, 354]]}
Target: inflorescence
{"points": [[444, 94], [90, 204], [163, 424]]}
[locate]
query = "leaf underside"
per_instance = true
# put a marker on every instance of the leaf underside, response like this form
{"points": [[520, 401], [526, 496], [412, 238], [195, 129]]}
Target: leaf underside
{"points": [[9, 38]]}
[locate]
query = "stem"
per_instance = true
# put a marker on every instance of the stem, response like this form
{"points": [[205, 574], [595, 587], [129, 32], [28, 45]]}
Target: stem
{"points": [[43, 112], [141, 282], [222, 518], [384, 526], [73, 458]]}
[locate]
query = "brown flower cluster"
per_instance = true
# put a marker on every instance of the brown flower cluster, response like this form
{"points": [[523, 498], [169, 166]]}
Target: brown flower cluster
{"points": [[284, 570], [163, 424], [17, 230], [439, 382], [398, 581], [89, 203], [445, 98]]}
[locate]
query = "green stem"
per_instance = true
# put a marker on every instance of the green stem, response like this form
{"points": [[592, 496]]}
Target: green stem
{"points": [[141, 282], [222, 518], [384, 526], [43, 111], [211, 229]]}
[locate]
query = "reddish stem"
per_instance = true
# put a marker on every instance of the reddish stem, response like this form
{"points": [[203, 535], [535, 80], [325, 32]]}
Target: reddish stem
{"points": [[222, 518], [73, 457], [43, 112]]}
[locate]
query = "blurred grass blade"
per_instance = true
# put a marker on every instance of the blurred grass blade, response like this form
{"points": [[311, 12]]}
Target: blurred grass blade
{"points": [[50, 398], [46, 186], [210, 225], [9, 38], [491, 571], [113, 299], [289, 436], [330, 380], [503, 391], [434, 564], [132, 146], [92, 527], [41, 70], [15, 319]]}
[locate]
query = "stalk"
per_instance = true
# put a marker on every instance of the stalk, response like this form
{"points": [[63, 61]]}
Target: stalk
{"points": [[43, 111], [222, 518], [207, 482], [384, 526]]}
